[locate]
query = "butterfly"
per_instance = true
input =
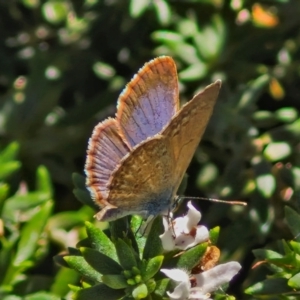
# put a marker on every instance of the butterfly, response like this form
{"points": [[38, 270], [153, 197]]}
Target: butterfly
{"points": [[136, 161]]}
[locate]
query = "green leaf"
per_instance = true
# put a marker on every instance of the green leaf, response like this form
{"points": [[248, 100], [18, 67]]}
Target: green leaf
{"points": [[136, 226], [115, 281], [44, 183], [162, 286], [31, 3], [286, 114], [9, 153], [266, 184], [189, 259], [295, 246], [4, 190], [151, 267], [121, 229], [285, 263], [187, 27], [55, 12], [17, 203], [286, 246], [253, 92], [100, 241], [269, 287], [207, 175], [293, 220], [137, 8], [163, 11], [79, 181], [215, 33], [31, 233], [101, 262], [63, 277], [69, 219], [41, 296], [98, 292], [167, 37], [214, 235], [103, 70], [277, 151], [264, 254], [140, 292], [151, 285], [126, 255], [296, 178], [8, 168], [153, 245], [81, 192], [294, 282], [79, 264], [85, 198], [193, 72], [264, 118]]}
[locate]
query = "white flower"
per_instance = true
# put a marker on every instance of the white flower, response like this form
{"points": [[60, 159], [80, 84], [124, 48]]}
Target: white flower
{"points": [[184, 232], [205, 282]]}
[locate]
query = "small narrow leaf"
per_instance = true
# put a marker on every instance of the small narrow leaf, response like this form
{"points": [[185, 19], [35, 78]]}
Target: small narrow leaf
{"points": [[264, 254], [101, 262], [44, 181], [115, 281], [293, 220], [152, 267], [137, 8], [294, 282], [79, 181], [140, 292], [9, 153], [126, 255], [275, 286], [79, 264], [31, 233], [153, 245], [214, 235], [100, 241], [98, 292]]}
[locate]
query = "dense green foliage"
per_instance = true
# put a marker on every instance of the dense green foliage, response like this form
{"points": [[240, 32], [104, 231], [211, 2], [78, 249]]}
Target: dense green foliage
{"points": [[63, 64]]}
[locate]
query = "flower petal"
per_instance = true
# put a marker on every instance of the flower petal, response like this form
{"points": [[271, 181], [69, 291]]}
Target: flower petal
{"points": [[212, 279], [181, 291], [167, 238], [177, 275], [193, 217], [197, 294], [202, 235]]}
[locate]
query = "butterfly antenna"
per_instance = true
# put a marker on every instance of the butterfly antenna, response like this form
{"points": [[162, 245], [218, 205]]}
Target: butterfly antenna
{"points": [[217, 200]]}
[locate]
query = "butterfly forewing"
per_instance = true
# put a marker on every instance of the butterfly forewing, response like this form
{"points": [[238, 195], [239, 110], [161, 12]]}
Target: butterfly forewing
{"points": [[186, 129], [149, 101]]}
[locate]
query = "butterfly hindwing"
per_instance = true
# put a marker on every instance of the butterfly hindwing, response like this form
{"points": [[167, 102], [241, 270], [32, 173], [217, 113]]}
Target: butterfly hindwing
{"points": [[142, 184], [105, 151]]}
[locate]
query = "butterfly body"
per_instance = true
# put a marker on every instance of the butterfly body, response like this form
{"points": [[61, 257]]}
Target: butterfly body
{"points": [[136, 162]]}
